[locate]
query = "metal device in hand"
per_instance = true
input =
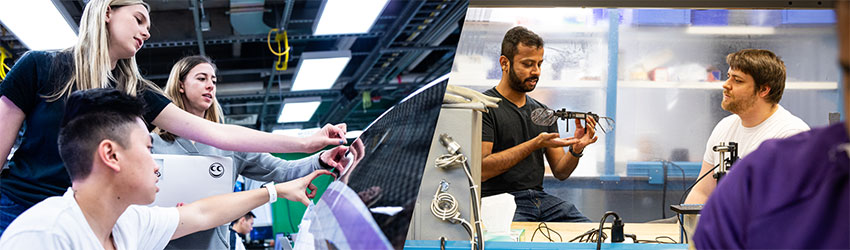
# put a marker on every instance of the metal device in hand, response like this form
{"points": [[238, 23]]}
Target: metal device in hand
{"points": [[547, 117], [725, 163]]}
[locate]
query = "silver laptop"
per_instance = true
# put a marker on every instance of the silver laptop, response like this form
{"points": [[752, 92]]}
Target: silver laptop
{"points": [[188, 178]]}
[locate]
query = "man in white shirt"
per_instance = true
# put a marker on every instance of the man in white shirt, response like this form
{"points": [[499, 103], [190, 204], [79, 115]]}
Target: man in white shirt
{"points": [[239, 228], [752, 93], [106, 150]]}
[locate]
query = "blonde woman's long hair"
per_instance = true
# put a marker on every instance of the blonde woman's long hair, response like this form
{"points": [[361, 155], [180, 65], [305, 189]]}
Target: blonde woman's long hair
{"points": [[92, 66], [172, 90]]}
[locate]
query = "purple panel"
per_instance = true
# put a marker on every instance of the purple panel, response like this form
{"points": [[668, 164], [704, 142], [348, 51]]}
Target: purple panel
{"points": [[710, 17]]}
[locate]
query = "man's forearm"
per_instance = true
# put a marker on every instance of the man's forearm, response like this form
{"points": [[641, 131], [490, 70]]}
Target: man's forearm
{"points": [[495, 164], [218, 210], [238, 204], [565, 167], [701, 190]]}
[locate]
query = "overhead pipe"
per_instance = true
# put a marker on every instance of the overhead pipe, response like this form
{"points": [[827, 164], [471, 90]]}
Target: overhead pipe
{"points": [[198, 31]]}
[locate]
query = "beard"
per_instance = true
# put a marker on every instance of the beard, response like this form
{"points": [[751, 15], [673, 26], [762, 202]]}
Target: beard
{"points": [[519, 85], [738, 104]]}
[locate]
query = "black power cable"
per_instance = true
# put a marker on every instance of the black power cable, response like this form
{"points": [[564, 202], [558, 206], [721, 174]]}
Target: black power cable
{"points": [[664, 192], [547, 233], [682, 200], [616, 229]]}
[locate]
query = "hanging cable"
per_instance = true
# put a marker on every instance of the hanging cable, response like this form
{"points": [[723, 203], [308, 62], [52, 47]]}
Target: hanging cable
{"points": [[445, 206], [281, 52], [456, 157], [3, 67]]}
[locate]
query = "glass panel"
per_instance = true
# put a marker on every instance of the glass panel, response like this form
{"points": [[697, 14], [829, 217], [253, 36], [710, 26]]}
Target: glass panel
{"points": [[574, 69], [670, 69]]}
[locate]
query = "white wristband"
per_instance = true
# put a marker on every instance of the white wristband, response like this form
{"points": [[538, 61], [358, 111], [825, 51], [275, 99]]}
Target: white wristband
{"points": [[272, 192]]}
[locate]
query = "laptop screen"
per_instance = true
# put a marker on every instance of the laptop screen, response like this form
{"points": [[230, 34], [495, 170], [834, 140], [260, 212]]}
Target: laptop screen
{"points": [[188, 178]]}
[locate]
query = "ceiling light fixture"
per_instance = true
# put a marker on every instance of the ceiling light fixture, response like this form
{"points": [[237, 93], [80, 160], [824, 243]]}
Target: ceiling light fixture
{"points": [[298, 109], [347, 17], [50, 31], [319, 70]]}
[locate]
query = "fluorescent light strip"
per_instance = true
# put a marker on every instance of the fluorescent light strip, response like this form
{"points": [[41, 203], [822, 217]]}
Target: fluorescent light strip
{"points": [[298, 109], [319, 73], [730, 30], [38, 24], [347, 16]]}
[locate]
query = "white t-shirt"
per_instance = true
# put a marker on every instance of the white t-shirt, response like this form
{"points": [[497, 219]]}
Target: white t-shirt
{"points": [[238, 245], [58, 223], [779, 125]]}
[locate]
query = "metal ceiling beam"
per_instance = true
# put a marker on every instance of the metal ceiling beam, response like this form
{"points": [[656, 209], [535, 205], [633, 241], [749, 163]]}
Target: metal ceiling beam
{"points": [[448, 17], [413, 48], [200, 35], [253, 39], [313, 20], [325, 94], [342, 106], [263, 72], [287, 13], [266, 100]]}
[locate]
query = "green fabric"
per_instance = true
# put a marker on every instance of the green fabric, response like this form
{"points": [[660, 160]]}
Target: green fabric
{"points": [[286, 214]]}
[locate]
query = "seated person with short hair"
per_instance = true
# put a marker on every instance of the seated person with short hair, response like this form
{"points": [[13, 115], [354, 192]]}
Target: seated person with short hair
{"points": [[513, 147], [106, 150], [752, 93], [791, 193], [239, 228]]}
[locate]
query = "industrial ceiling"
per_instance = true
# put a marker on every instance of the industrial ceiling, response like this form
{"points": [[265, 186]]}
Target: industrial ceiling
{"points": [[409, 44]]}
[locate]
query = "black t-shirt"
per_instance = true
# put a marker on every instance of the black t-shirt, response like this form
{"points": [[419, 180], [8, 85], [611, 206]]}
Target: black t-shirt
{"points": [[36, 170], [508, 126]]}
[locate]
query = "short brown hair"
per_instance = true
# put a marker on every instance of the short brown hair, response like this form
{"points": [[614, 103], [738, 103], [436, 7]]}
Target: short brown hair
{"points": [[766, 68], [517, 35]]}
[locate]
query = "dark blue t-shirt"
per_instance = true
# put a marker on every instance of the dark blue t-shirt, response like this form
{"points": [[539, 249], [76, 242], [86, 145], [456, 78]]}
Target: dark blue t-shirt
{"points": [[508, 126], [36, 170]]}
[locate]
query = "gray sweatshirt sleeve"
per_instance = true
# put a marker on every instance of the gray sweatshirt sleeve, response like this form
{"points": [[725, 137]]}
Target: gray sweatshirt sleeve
{"points": [[266, 167]]}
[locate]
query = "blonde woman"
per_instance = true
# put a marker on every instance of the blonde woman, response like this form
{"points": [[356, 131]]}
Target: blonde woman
{"points": [[34, 92], [192, 86]]}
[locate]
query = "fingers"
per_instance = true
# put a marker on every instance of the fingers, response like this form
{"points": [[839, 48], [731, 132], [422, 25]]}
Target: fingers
{"points": [[578, 124], [304, 200], [341, 150], [311, 190], [559, 142], [335, 141], [343, 129], [547, 136], [335, 131], [591, 128], [312, 176], [591, 123]]}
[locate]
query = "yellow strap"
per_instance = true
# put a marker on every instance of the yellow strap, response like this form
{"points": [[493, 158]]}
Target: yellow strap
{"points": [[281, 64]]}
